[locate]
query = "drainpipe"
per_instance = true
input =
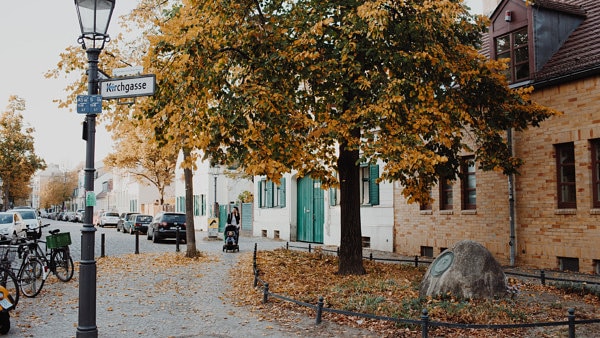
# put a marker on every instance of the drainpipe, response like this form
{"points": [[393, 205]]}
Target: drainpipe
{"points": [[511, 203]]}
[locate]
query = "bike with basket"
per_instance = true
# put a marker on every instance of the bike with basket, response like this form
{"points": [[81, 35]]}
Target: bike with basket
{"points": [[38, 263]]}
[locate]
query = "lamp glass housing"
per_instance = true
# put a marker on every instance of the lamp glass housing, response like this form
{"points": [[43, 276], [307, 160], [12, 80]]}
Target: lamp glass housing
{"points": [[94, 17]]}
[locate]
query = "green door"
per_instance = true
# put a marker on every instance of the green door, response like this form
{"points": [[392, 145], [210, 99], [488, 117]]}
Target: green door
{"points": [[223, 213], [247, 216], [311, 207]]}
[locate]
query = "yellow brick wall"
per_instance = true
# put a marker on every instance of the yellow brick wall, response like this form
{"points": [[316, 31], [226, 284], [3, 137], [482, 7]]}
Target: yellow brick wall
{"points": [[441, 229], [543, 232]]}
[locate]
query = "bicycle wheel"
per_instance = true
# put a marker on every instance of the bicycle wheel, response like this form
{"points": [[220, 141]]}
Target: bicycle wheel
{"points": [[62, 264], [9, 282], [31, 277]]}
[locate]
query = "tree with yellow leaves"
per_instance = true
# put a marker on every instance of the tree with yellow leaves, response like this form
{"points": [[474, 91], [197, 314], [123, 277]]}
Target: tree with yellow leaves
{"points": [[320, 87], [18, 161], [138, 155], [59, 189]]}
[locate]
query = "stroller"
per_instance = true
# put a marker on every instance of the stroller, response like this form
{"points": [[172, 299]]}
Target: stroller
{"points": [[231, 238]]}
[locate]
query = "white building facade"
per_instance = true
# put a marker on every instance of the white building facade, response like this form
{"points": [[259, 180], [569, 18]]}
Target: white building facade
{"points": [[298, 209], [216, 190]]}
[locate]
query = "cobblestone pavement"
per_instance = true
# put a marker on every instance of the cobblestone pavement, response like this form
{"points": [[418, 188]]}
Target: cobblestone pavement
{"points": [[140, 303], [176, 301]]}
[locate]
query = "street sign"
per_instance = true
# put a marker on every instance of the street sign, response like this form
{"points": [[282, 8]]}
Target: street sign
{"points": [[89, 104], [131, 86], [128, 71]]}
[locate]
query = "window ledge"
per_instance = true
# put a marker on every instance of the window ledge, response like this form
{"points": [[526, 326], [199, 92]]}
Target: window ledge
{"points": [[446, 212], [468, 212], [430, 212], [594, 211], [565, 211]]}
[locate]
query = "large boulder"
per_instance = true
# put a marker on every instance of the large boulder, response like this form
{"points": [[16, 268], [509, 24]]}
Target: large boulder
{"points": [[468, 270]]}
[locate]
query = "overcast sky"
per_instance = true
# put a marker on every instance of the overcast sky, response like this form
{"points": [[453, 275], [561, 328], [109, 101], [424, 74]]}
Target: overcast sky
{"points": [[32, 35]]}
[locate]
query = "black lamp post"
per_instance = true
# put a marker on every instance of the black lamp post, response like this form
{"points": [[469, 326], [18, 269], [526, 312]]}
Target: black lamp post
{"points": [[94, 17]]}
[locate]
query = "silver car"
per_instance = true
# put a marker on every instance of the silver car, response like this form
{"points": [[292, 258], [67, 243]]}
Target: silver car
{"points": [[12, 226], [108, 218], [30, 217]]}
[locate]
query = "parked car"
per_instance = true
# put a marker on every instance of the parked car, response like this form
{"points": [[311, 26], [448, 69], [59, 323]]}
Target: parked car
{"points": [[79, 215], [137, 222], [108, 218], [59, 216], [164, 225], [30, 217], [71, 216], [65, 216], [122, 219], [12, 226]]}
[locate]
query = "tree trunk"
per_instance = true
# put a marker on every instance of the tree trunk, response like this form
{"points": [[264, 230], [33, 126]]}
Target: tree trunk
{"points": [[5, 196], [190, 238], [350, 257]]}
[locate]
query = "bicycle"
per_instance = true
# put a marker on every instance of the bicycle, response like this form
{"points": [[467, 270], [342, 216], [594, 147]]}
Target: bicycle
{"points": [[8, 280], [37, 264]]}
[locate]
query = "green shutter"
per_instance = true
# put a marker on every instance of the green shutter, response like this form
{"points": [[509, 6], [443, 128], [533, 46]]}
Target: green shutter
{"points": [[196, 205], [261, 184], [203, 204], [180, 204], [373, 185], [332, 197], [270, 187], [282, 192]]}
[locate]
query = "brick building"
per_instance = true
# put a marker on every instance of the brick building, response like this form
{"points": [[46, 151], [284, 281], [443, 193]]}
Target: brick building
{"points": [[553, 219]]}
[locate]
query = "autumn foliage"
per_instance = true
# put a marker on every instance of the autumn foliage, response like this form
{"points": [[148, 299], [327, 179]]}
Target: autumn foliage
{"points": [[319, 88], [391, 290], [18, 160]]}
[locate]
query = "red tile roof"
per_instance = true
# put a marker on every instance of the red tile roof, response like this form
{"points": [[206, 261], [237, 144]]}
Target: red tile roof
{"points": [[562, 6], [581, 51]]}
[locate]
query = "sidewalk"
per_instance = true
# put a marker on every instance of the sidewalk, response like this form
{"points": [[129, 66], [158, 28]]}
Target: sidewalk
{"points": [[137, 297]]}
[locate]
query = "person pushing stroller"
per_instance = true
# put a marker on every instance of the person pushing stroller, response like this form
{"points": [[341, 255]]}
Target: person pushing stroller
{"points": [[233, 223]]}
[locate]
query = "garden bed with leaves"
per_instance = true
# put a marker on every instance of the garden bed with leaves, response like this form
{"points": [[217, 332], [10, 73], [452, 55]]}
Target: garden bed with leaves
{"points": [[392, 290]]}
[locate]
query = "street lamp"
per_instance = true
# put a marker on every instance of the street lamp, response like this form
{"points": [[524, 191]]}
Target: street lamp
{"points": [[94, 17]]}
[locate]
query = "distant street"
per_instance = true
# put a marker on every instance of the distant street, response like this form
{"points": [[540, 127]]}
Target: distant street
{"points": [[115, 243]]}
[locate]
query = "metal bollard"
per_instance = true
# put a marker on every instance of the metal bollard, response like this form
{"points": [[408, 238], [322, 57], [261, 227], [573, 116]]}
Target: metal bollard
{"points": [[425, 323], [571, 318], [309, 248], [137, 242], [254, 264], [319, 310], [543, 277], [266, 293], [416, 261], [102, 242], [177, 239]]}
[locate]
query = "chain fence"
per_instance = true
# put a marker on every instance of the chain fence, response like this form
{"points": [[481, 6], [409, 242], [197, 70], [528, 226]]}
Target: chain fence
{"points": [[425, 321]]}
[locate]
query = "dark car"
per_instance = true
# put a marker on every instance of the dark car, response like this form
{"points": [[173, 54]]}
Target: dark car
{"points": [[165, 224], [137, 222], [122, 219]]}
